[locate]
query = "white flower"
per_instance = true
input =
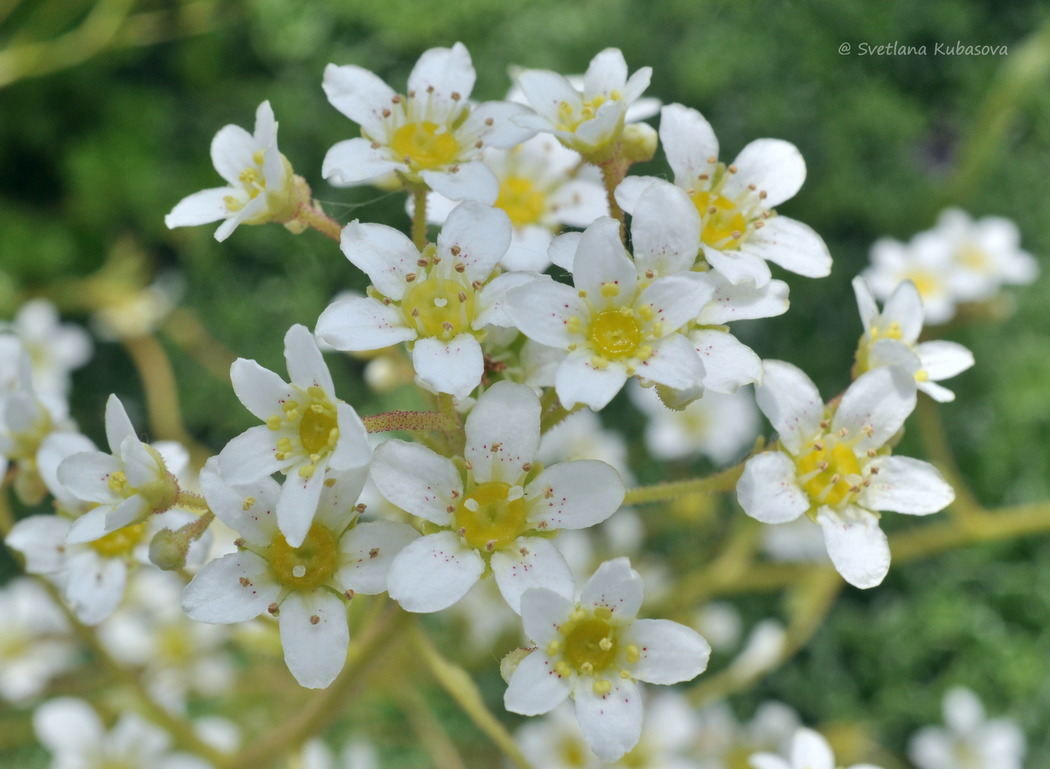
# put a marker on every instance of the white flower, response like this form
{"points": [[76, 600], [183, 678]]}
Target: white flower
{"points": [[667, 741], [432, 136], [174, 655], [35, 643], [926, 262], [54, 348], [809, 750], [717, 426], [588, 119], [261, 186], [970, 741], [441, 301], [90, 575], [892, 338], [986, 254], [307, 431], [500, 515], [616, 323], [540, 189], [128, 484], [739, 230], [836, 468], [356, 754], [27, 418], [595, 650], [307, 584], [75, 735]]}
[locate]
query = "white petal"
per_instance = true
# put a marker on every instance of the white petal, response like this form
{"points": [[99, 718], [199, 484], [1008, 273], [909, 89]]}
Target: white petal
{"points": [[875, 406], [535, 688], [416, 479], [791, 402], [480, 236], [491, 304], [689, 142], [600, 259], [502, 132], [606, 72], [743, 302], [297, 504], [86, 474], [250, 456], [199, 208], [906, 485], [674, 363], [630, 190], [464, 181], [793, 245], [503, 432], [856, 544], [232, 152], [677, 299], [383, 253], [740, 266], [904, 307], [541, 310], [358, 323], [41, 540], [532, 562], [543, 611], [95, 592], [809, 749], [665, 230], [234, 588], [356, 161], [768, 489], [578, 381], [314, 650], [257, 524], [454, 367], [353, 449], [441, 72], [772, 165], [118, 426], [433, 573], [611, 722], [546, 91], [367, 551], [670, 652], [943, 360], [574, 495], [306, 365], [360, 95], [866, 305], [68, 727], [616, 585], [260, 390], [728, 363]]}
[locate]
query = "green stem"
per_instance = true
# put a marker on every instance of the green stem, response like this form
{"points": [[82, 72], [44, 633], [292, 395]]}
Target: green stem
{"points": [[661, 492], [422, 421], [419, 216], [325, 706], [461, 687], [320, 221], [613, 172]]}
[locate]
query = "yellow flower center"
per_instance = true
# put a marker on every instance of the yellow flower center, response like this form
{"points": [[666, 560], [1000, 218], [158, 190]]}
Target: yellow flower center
{"points": [[439, 307], [973, 258], [590, 644], [311, 564], [868, 339], [616, 333], [316, 423], [120, 542], [927, 283], [521, 200], [724, 224], [829, 474], [425, 145], [489, 518]]}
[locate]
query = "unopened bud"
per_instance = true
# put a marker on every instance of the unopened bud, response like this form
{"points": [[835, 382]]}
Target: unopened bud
{"points": [[167, 549], [639, 142]]}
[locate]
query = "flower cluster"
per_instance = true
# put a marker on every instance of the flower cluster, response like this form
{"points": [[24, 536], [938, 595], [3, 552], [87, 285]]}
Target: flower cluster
{"points": [[322, 505]]}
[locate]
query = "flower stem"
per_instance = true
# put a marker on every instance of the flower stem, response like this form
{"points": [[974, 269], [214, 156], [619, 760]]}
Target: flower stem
{"points": [[662, 492], [314, 217], [461, 687], [419, 216], [410, 420]]}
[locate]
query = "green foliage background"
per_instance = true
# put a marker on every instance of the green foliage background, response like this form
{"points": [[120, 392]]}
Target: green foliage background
{"points": [[96, 153]]}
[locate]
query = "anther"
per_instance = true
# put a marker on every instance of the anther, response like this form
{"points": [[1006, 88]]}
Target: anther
{"points": [[731, 169], [456, 96], [244, 582], [273, 609], [314, 619], [386, 112], [410, 277], [455, 250], [373, 553], [460, 267], [461, 296]]}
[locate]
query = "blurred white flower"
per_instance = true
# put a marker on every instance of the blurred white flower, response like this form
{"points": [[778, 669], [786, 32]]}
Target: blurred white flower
{"points": [[970, 741], [35, 643], [55, 348]]}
